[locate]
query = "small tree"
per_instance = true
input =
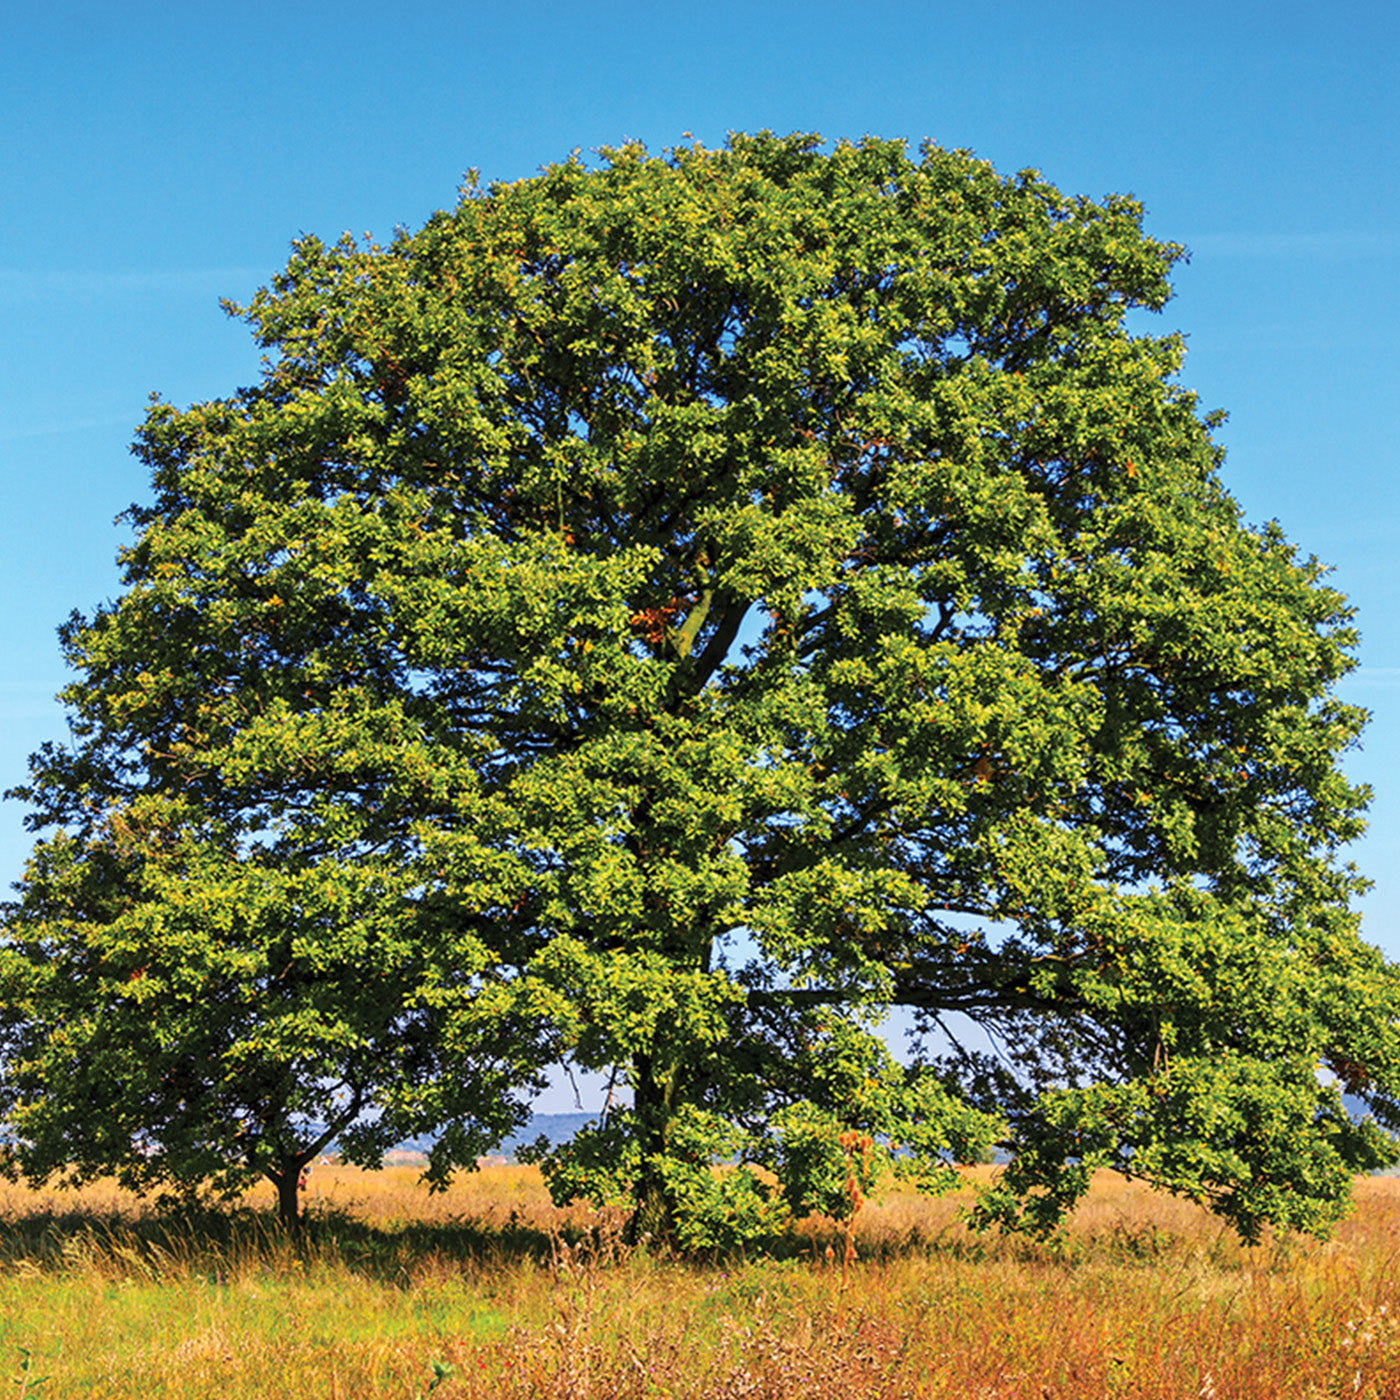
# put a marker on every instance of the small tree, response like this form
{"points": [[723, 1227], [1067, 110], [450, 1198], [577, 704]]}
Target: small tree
{"points": [[186, 1015], [671, 612]]}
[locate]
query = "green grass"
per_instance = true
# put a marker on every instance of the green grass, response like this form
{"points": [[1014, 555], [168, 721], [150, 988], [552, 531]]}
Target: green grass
{"points": [[1144, 1297]]}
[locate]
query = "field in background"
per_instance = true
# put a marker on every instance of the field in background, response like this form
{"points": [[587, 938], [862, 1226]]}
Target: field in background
{"points": [[486, 1291]]}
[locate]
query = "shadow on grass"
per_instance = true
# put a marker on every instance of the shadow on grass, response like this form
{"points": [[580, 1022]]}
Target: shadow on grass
{"points": [[217, 1243]]}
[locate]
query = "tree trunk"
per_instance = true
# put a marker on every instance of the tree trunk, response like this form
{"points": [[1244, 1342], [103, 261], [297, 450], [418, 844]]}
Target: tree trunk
{"points": [[653, 1219], [287, 1180]]}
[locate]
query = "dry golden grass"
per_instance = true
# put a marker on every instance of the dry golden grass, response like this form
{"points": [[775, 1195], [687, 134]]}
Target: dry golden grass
{"points": [[1145, 1296]]}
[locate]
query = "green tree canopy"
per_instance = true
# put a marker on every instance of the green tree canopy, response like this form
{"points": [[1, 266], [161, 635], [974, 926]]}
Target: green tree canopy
{"points": [[667, 613]]}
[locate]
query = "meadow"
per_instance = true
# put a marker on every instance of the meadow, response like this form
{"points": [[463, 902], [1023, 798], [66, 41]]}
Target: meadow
{"points": [[487, 1291]]}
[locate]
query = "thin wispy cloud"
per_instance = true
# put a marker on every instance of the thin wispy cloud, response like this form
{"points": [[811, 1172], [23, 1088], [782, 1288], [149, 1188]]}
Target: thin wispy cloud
{"points": [[30, 700], [1336, 243], [1374, 675], [38, 284], [73, 425]]}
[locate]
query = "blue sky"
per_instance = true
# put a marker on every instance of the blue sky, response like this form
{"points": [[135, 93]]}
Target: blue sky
{"points": [[157, 157]]}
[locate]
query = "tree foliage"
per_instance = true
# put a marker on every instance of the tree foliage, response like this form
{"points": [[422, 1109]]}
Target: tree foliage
{"points": [[665, 613]]}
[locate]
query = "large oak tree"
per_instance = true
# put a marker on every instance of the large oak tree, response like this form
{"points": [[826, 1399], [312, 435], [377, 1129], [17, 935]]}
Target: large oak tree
{"points": [[665, 613]]}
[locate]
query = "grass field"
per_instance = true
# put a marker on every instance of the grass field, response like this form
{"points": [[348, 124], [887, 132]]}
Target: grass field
{"points": [[486, 1291]]}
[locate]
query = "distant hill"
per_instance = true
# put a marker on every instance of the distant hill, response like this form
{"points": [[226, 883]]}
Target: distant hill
{"points": [[561, 1127], [557, 1127]]}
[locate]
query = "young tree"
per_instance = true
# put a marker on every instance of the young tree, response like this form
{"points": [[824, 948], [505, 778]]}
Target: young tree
{"points": [[188, 1016], [671, 612]]}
